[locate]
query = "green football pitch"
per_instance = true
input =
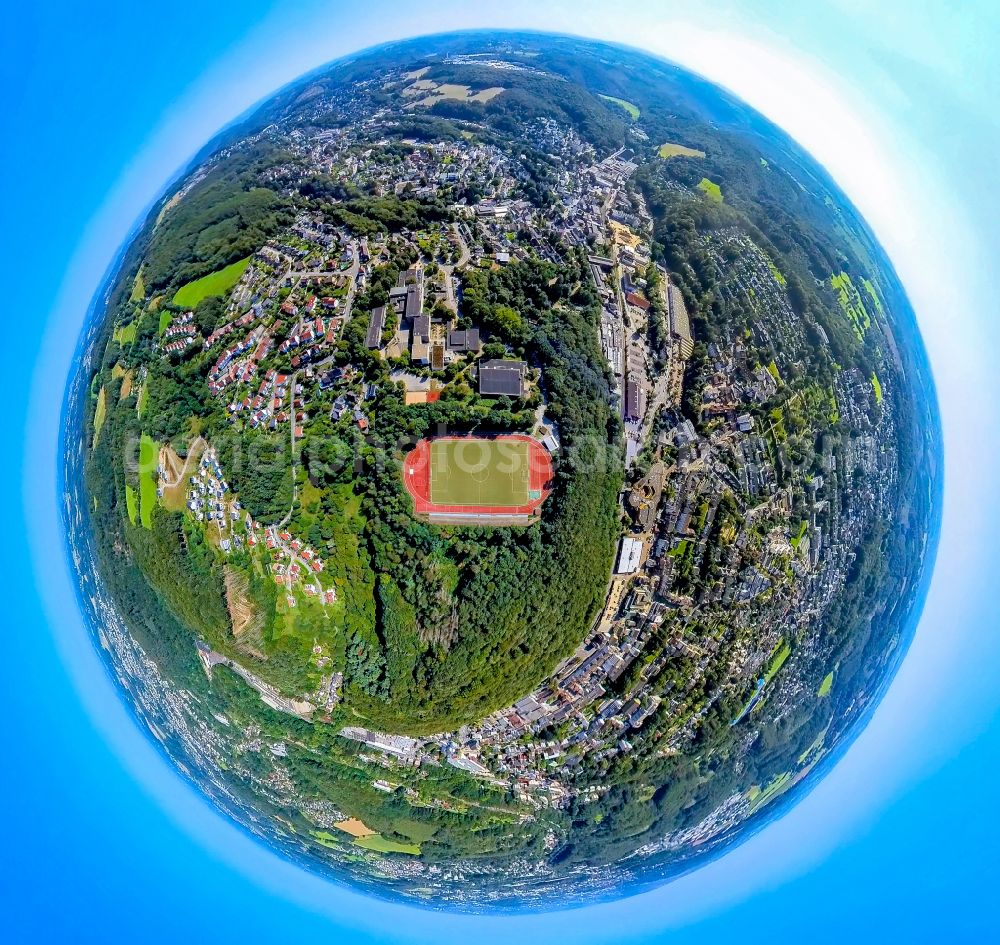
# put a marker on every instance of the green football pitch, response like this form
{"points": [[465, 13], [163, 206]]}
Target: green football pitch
{"points": [[468, 472]]}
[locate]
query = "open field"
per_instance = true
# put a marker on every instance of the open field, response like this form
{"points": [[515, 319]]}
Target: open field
{"points": [[632, 109], [468, 471], [711, 190], [877, 387], [777, 660], [138, 288], [356, 828], [872, 291], [325, 839], [100, 414], [125, 335], [380, 844], [131, 503], [777, 787], [825, 686], [147, 482], [478, 476], [851, 303], [668, 150], [215, 283], [166, 318], [432, 93]]}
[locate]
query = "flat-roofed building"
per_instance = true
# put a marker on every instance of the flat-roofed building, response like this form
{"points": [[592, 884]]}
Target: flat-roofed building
{"points": [[420, 352], [414, 301], [422, 328], [632, 400], [397, 299], [629, 555], [461, 342], [502, 378], [376, 323]]}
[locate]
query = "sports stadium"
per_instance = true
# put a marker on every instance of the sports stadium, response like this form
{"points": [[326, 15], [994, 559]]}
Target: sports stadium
{"points": [[494, 480]]}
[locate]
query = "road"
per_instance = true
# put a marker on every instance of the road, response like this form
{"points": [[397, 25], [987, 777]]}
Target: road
{"points": [[353, 277], [463, 259]]}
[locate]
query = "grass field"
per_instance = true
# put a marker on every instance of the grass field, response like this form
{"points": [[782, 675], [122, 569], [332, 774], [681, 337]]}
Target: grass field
{"points": [[632, 109], [825, 686], [668, 150], [851, 303], [872, 291], [215, 283], [126, 335], [777, 661], [417, 830], [131, 503], [877, 387], [148, 452], [325, 839], [100, 414], [380, 844], [138, 288], [165, 320], [711, 190], [469, 471], [777, 787], [434, 93]]}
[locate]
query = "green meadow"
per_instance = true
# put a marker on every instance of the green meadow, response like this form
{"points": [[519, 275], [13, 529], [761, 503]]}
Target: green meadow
{"points": [[148, 451], [215, 283], [632, 109], [711, 190], [668, 150]]}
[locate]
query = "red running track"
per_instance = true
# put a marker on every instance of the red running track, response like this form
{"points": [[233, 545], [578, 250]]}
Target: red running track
{"points": [[417, 479]]}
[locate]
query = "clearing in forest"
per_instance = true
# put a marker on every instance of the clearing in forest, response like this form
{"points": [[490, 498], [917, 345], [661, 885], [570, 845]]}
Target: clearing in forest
{"points": [[668, 150], [711, 190], [631, 108], [215, 283], [148, 452]]}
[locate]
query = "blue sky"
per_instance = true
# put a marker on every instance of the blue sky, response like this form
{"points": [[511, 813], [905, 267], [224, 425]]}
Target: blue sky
{"points": [[104, 101]]}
